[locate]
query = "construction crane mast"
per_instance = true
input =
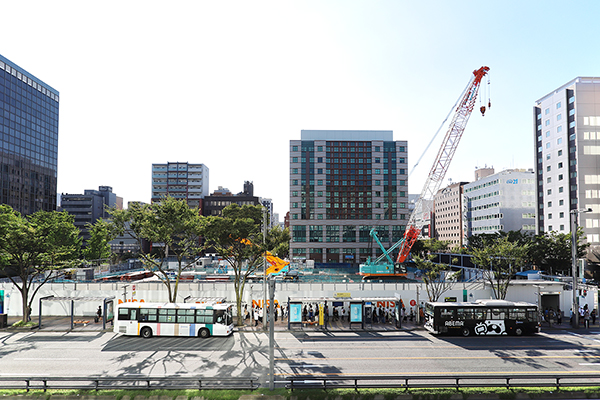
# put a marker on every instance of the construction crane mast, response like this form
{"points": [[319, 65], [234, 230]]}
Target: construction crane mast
{"points": [[423, 206]]}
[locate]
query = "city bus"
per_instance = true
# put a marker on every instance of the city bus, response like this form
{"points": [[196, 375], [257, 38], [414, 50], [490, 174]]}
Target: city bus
{"points": [[174, 319], [483, 318]]}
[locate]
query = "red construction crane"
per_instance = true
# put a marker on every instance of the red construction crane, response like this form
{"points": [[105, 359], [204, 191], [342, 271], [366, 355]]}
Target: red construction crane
{"points": [[423, 206]]}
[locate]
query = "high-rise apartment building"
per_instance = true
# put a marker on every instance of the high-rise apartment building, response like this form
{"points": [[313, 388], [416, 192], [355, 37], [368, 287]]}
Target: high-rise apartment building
{"points": [[28, 140], [447, 215], [180, 180], [567, 153], [504, 201], [343, 184]]}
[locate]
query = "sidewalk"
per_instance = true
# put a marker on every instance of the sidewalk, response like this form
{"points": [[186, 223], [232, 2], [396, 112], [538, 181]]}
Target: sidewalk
{"points": [[63, 324]]}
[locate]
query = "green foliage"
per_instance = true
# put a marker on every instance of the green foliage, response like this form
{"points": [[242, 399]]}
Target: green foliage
{"points": [[499, 261], [171, 227], [98, 247], [422, 247], [33, 246]]}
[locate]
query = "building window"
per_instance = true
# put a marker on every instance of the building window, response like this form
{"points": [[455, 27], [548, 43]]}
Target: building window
{"points": [[560, 165], [548, 168], [550, 216], [560, 153], [558, 105], [561, 215], [559, 117], [547, 111], [549, 204], [560, 177], [294, 148]]}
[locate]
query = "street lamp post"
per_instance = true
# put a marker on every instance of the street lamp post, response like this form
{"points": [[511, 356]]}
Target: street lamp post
{"points": [[574, 271]]}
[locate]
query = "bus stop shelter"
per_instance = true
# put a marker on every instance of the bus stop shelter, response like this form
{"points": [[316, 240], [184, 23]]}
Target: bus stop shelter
{"points": [[360, 311], [107, 307]]}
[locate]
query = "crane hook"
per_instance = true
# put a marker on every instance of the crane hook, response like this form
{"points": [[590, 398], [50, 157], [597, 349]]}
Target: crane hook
{"points": [[482, 109]]}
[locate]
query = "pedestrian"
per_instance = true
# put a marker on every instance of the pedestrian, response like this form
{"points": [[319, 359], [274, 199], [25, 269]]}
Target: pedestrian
{"points": [[310, 314], [342, 313], [325, 316], [558, 316], [593, 315], [305, 314], [98, 314], [246, 313], [255, 311], [571, 316], [403, 314], [586, 316], [261, 315]]}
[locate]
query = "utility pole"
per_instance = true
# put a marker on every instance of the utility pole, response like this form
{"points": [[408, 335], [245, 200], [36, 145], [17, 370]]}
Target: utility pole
{"points": [[574, 268], [271, 333]]}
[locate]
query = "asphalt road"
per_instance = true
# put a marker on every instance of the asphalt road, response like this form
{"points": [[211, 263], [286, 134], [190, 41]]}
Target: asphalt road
{"points": [[311, 352]]}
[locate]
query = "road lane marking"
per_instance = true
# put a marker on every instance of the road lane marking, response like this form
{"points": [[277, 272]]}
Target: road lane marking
{"points": [[493, 374], [439, 358], [46, 359]]}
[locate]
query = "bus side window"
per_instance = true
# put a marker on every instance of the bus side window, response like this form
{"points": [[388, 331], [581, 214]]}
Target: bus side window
{"points": [[124, 314], [479, 313]]}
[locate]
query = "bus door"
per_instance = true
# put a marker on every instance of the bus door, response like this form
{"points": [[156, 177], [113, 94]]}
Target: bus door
{"points": [[167, 321]]}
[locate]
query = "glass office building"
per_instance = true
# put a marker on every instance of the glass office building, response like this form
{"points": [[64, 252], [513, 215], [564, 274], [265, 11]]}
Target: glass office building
{"points": [[28, 140]]}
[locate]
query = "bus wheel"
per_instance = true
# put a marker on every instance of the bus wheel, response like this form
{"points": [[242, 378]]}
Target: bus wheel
{"points": [[146, 332], [518, 331], [466, 332], [203, 333]]}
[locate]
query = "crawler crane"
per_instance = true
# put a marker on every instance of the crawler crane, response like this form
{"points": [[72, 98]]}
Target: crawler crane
{"points": [[384, 266]]}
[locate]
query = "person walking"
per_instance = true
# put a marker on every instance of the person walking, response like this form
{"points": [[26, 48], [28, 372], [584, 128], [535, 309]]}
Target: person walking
{"points": [[559, 316], [586, 316]]}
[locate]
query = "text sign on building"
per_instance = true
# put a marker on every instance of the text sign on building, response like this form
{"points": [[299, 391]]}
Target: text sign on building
{"points": [[512, 181]]}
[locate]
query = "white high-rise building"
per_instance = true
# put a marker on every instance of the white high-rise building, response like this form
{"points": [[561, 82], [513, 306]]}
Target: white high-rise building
{"points": [[180, 180], [567, 150]]}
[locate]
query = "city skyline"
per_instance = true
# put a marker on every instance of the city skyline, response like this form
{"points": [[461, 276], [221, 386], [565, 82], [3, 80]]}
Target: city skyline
{"points": [[229, 86]]}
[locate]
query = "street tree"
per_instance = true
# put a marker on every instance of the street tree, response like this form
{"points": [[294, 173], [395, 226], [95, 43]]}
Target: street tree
{"points": [[499, 261], [237, 237], [551, 251], [98, 247], [34, 247], [438, 278], [172, 228]]}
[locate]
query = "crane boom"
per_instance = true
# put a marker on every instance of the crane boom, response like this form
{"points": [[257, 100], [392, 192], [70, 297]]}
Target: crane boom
{"points": [[423, 206]]}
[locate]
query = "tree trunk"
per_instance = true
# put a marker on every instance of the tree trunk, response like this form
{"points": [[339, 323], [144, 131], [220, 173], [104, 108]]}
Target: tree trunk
{"points": [[26, 308]]}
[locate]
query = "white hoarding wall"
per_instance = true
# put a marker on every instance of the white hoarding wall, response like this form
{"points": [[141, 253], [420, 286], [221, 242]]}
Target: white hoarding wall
{"points": [[545, 292]]}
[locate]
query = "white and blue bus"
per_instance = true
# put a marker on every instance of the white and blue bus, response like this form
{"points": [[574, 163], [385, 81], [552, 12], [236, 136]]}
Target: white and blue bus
{"points": [[482, 318], [174, 319]]}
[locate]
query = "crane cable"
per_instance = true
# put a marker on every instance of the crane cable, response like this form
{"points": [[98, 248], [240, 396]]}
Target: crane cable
{"points": [[439, 129]]}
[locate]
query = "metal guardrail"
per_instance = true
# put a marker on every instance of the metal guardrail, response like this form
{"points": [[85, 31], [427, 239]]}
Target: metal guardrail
{"points": [[150, 383], [508, 381]]}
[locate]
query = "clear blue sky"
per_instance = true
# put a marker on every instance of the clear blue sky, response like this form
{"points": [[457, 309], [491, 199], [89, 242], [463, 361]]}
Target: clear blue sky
{"points": [[230, 83]]}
